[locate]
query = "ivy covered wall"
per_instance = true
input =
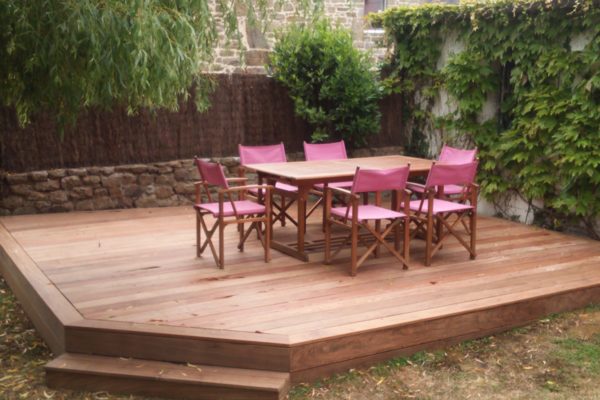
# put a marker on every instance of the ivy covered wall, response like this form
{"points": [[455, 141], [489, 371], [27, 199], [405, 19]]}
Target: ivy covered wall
{"points": [[519, 80]]}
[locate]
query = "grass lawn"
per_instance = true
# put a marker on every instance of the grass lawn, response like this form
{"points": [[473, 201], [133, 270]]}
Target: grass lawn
{"points": [[555, 358]]}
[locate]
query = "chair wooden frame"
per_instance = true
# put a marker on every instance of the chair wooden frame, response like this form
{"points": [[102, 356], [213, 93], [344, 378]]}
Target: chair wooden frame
{"points": [[428, 221], [227, 206], [351, 221]]}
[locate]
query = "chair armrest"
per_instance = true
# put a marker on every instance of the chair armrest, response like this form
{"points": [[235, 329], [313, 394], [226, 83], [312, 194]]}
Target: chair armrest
{"points": [[268, 188], [239, 179], [343, 191]]}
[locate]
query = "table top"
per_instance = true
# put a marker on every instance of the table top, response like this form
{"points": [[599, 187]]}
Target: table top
{"points": [[335, 170]]}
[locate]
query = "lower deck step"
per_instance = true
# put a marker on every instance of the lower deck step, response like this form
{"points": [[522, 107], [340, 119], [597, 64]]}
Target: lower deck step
{"points": [[154, 378]]}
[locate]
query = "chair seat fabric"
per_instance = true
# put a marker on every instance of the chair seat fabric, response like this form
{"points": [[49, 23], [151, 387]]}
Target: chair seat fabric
{"points": [[448, 189], [368, 212], [243, 207], [439, 206], [345, 184]]}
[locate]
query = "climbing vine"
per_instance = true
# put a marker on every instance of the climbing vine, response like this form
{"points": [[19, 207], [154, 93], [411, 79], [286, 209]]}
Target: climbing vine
{"points": [[537, 63]]}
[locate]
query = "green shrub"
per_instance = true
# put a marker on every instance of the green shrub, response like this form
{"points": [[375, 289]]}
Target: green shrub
{"points": [[332, 84]]}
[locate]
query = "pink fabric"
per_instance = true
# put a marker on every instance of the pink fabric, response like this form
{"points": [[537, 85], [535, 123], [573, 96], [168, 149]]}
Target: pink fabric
{"points": [[451, 155], [448, 189], [325, 151], [368, 212], [212, 173], [243, 207], [451, 174], [439, 206], [262, 154], [379, 180]]}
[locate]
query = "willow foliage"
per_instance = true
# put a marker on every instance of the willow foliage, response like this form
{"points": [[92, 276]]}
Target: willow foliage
{"points": [[64, 55]]}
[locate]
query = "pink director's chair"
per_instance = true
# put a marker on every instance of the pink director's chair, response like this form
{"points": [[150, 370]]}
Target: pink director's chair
{"points": [[355, 216], [325, 151], [448, 155], [431, 213], [271, 154], [226, 210]]}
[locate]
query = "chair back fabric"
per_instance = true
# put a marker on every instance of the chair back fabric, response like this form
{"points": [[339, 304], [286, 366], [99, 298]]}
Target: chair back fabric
{"points": [[380, 180], [212, 173], [451, 155], [325, 151], [262, 154], [451, 174]]}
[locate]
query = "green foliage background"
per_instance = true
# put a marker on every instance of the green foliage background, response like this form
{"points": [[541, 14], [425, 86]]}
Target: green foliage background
{"points": [[545, 140], [64, 55], [332, 84]]}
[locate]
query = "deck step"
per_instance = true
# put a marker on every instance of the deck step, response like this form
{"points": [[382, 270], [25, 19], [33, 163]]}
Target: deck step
{"points": [[163, 379]]}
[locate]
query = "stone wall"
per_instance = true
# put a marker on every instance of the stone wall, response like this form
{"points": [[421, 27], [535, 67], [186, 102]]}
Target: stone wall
{"points": [[257, 43], [124, 186]]}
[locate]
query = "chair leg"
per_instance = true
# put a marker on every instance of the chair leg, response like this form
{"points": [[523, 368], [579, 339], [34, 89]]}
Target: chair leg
{"points": [[354, 250], [472, 228], [327, 241], [221, 261], [241, 230], [429, 240], [268, 232], [406, 244], [198, 238]]}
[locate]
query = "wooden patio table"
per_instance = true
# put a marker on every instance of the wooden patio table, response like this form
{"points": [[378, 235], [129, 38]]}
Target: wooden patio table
{"points": [[305, 174]]}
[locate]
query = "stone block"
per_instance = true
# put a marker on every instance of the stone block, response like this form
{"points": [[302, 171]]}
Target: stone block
{"points": [[69, 182], [164, 169], [38, 176], [47, 186], [184, 174], [146, 201], [107, 170], [64, 207], [23, 190], [131, 190], [230, 161], [36, 196], [17, 178], [185, 188], [169, 201], [57, 173], [117, 179], [84, 205], [163, 192], [98, 192], [25, 210], [58, 197], [166, 179], [43, 206], [12, 202], [77, 172], [146, 179], [92, 180], [103, 203], [4, 212], [94, 170], [133, 168], [81, 192]]}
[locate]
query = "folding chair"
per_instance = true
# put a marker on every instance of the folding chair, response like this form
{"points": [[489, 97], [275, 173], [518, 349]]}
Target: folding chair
{"points": [[355, 216], [270, 154], [242, 211], [430, 210], [325, 151], [448, 155]]}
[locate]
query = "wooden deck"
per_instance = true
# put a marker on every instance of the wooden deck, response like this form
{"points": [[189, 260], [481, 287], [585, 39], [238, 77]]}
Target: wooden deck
{"points": [[127, 284]]}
